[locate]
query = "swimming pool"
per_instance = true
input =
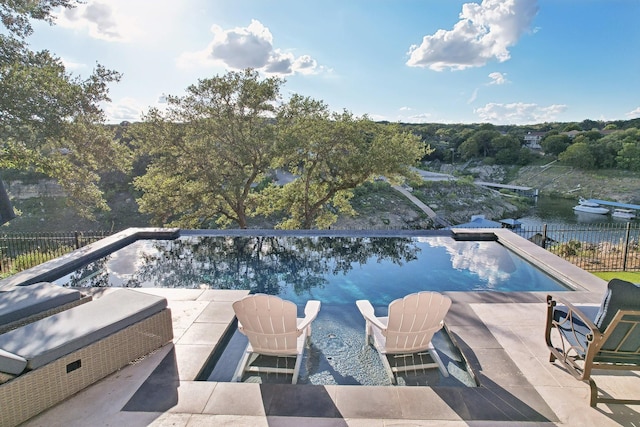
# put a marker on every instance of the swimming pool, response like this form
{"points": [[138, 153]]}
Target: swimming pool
{"points": [[333, 269]]}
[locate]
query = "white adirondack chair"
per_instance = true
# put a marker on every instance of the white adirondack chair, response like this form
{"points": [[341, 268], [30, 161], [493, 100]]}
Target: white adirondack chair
{"points": [[407, 331], [272, 328]]}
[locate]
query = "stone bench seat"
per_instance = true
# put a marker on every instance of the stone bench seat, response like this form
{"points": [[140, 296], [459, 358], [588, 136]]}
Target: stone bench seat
{"points": [[61, 354]]}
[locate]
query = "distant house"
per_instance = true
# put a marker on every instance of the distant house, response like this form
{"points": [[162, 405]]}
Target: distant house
{"points": [[532, 140], [571, 134]]}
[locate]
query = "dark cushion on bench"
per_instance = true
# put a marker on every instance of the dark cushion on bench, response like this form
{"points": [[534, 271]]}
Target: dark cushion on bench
{"points": [[55, 336], [620, 295], [23, 301]]}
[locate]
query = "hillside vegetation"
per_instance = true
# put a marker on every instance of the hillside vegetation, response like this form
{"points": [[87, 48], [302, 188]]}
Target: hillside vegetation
{"points": [[566, 181], [377, 206]]}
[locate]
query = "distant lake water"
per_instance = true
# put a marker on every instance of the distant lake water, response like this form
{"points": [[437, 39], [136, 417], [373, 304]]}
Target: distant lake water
{"points": [[555, 211]]}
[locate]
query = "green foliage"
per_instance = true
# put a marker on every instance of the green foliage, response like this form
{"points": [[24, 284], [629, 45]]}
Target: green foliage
{"points": [[469, 149], [466, 180], [51, 121], [332, 154], [489, 161], [494, 147], [555, 144], [629, 156], [578, 155], [590, 125], [31, 259], [207, 151], [570, 248], [506, 148], [572, 126], [593, 150], [525, 156]]}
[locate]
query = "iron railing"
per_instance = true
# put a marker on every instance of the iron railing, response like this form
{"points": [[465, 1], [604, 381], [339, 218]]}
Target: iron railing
{"points": [[593, 247], [19, 251]]}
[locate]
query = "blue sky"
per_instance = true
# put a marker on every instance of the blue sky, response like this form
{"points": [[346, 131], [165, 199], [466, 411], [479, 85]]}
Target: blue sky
{"points": [[428, 61]]}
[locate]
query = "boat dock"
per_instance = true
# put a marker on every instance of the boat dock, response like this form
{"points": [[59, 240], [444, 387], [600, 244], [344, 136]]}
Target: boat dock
{"points": [[615, 204], [522, 191]]}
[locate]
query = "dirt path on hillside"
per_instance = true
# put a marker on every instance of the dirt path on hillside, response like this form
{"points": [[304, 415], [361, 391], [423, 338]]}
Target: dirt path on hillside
{"points": [[426, 209], [614, 185]]}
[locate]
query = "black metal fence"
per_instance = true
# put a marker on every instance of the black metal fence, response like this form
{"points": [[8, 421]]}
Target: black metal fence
{"points": [[19, 251], [599, 247], [592, 247]]}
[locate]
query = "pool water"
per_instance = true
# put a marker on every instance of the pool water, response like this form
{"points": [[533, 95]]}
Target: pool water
{"points": [[333, 269], [338, 354]]}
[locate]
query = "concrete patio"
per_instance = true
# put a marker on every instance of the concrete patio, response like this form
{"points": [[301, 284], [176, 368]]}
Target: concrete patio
{"points": [[500, 333]]}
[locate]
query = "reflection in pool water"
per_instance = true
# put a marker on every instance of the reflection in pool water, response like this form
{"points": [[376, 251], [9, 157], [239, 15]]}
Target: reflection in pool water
{"points": [[332, 269]]}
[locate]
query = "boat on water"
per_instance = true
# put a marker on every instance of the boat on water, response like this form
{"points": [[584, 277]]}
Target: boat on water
{"points": [[590, 207], [623, 213]]}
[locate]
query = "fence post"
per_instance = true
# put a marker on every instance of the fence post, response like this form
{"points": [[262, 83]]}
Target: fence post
{"points": [[625, 250], [544, 236], [76, 236]]}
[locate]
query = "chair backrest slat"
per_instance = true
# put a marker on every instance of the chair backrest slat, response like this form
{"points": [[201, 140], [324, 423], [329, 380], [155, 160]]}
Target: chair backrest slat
{"points": [[413, 320], [269, 322]]}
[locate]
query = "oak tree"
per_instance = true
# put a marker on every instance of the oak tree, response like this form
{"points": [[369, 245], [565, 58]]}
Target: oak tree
{"points": [[208, 151], [51, 121], [331, 154]]}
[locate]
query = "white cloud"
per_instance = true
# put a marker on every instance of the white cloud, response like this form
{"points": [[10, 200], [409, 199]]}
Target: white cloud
{"points": [[248, 47], [127, 109], [148, 21], [418, 118], [485, 32], [518, 113], [72, 65], [474, 95], [377, 117], [634, 113], [100, 20], [498, 78]]}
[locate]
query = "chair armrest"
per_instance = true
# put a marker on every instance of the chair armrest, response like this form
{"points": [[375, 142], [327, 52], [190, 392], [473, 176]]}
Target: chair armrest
{"points": [[572, 311], [310, 313], [366, 309]]}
